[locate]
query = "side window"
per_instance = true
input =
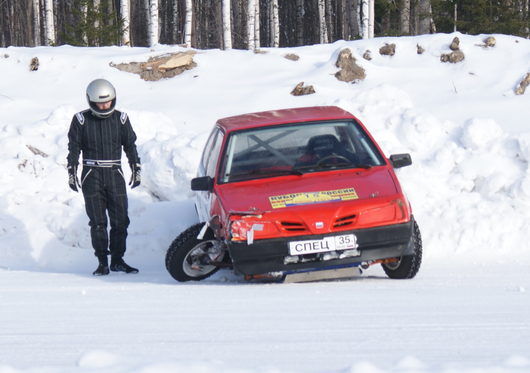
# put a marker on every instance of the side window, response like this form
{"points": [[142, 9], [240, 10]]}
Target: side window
{"points": [[216, 148], [207, 152]]}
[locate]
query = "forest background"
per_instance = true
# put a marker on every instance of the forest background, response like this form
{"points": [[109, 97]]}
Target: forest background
{"points": [[248, 24]]}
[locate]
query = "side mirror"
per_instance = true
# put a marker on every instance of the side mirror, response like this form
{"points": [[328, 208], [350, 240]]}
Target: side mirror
{"points": [[400, 160], [204, 183]]}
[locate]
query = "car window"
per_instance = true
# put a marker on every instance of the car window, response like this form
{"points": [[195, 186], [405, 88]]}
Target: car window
{"points": [[207, 152], [295, 148], [214, 156]]}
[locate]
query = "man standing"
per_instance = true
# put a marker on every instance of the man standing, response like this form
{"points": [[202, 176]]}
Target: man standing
{"points": [[99, 133]]}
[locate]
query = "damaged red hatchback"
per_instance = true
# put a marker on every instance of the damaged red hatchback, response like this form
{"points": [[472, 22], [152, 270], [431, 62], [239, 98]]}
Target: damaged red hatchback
{"points": [[297, 192]]}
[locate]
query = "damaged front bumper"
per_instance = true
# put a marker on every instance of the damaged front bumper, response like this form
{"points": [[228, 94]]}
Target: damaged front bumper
{"points": [[272, 255]]}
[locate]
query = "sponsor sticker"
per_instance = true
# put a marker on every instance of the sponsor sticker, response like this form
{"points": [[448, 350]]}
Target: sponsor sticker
{"points": [[298, 199]]}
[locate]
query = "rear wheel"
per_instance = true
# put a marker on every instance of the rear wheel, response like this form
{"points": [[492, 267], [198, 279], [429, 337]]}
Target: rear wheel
{"points": [[408, 265], [189, 258]]}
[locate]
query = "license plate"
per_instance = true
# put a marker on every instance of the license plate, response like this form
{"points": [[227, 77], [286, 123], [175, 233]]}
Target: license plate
{"points": [[332, 243]]}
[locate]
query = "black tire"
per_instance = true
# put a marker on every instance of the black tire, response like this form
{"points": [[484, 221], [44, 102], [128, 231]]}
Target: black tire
{"points": [[180, 254], [408, 265]]}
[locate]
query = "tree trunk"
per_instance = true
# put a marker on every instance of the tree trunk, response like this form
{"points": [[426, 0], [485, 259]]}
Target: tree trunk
{"points": [[323, 31], [12, 23], [125, 16], [97, 6], [188, 23], [329, 18], [153, 23], [386, 20], [275, 25], [345, 19], [227, 25], [84, 14], [424, 14], [56, 20], [174, 21], [257, 37], [50, 27], [371, 19], [251, 19], [352, 27], [455, 17], [525, 15], [36, 23], [300, 11], [404, 17], [365, 19]]}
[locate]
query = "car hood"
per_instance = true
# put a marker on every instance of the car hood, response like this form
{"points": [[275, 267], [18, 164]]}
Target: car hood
{"points": [[312, 189]]}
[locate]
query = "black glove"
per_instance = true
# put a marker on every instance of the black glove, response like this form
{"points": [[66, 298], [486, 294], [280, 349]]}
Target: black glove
{"points": [[73, 181], [136, 175]]}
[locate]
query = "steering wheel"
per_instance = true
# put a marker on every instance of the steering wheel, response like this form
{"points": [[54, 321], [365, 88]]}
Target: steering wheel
{"points": [[337, 157]]}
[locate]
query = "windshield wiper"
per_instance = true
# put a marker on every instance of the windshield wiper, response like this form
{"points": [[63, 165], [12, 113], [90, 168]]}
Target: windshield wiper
{"points": [[365, 166], [328, 166], [265, 172]]}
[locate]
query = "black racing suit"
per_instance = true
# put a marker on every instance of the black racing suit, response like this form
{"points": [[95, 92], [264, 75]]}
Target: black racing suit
{"points": [[103, 183]]}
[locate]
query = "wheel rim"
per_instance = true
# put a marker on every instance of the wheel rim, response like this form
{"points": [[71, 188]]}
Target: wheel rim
{"points": [[195, 262]]}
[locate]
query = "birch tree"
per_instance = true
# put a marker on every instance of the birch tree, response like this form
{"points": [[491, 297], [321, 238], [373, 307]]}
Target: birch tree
{"points": [[227, 25], [371, 19], [152, 25], [36, 22], [56, 20], [365, 19], [251, 19], [49, 23], [323, 30], [125, 16], [257, 38], [187, 23], [275, 29], [329, 20], [455, 17]]}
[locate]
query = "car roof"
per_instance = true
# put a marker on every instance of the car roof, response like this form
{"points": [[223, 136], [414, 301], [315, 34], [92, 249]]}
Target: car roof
{"points": [[274, 117]]}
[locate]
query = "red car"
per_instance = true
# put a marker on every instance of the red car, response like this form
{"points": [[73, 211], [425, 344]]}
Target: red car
{"points": [[296, 191]]}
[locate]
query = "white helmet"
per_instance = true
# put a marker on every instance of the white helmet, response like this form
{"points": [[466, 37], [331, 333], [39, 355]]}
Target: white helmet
{"points": [[100, 90]]}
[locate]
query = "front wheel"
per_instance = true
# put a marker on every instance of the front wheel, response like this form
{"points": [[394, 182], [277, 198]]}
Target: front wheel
{"points": [[190, 259], [408, 265]]}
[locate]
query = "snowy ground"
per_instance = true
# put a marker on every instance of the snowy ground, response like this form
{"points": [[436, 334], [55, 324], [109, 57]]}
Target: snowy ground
{"points": [[449, 319], [469, 186]]}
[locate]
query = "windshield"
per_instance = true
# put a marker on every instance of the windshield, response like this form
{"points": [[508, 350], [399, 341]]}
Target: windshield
{"points": [[297, 149]]}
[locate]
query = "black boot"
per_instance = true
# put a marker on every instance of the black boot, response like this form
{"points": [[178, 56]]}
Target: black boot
{"points": [[118, 265], [103, 267]]}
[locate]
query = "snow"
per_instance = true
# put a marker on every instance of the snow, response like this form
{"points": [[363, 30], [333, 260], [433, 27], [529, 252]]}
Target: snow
{"points": [[469, 186]]}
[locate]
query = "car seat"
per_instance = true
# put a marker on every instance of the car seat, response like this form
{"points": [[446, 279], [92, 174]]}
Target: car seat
{"points": [[324, 145]]}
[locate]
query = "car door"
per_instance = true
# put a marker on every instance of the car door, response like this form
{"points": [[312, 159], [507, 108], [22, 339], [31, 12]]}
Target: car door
{"points": [[207, 167]]}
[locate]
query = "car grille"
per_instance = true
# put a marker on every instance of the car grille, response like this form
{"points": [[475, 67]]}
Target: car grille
{"points": [[291, 226], [344, 221]]}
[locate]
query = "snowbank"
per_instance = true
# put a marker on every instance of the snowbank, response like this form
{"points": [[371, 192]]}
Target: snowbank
{"points": [[465, 129], [105, 362]]}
